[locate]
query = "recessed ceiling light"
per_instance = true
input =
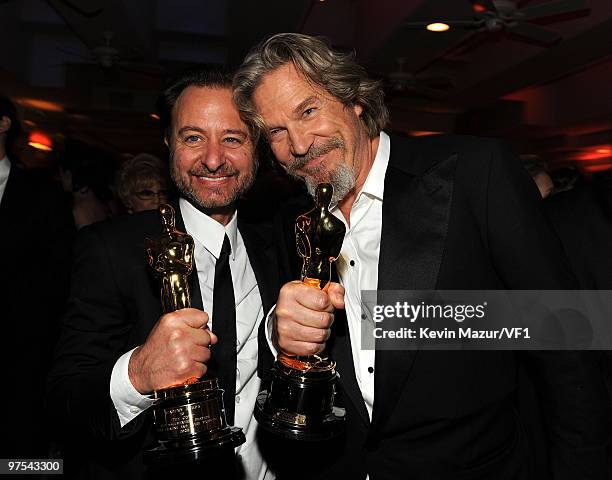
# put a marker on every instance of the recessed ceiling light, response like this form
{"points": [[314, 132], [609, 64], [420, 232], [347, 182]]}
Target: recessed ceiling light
{"points": [[154, 116], [40, 141], [437, 27]]}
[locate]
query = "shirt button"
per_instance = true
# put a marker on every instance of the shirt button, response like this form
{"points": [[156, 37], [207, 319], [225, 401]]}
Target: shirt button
{"points": [[134, 409], [237, 398], [371, 369], [352, 263], [363, 316]]}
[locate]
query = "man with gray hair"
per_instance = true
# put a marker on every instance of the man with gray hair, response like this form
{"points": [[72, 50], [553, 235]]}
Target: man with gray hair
{"points": [[441, 213]]}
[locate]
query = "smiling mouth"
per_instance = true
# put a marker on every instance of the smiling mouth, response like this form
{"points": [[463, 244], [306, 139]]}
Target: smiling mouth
{"points": [[212, 179]]}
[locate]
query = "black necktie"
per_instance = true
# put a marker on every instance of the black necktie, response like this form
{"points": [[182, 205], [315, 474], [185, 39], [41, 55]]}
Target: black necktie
{"points": [[223, 358]]}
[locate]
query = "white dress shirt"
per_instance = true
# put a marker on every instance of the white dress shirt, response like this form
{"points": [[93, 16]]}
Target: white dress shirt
{"points": [[208, 237], [357, 264], [5, 169]]}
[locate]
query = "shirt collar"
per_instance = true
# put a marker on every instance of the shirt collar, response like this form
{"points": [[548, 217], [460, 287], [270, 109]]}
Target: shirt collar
{"points": [[5, 168], [375, 182], [208, 231]]}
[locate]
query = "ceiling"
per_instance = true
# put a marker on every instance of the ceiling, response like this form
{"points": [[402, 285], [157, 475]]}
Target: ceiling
{"points": [[91, 69]]}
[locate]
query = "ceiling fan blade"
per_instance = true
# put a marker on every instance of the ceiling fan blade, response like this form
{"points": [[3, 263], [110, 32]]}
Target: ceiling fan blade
{"points": [[428, 92], [137, 67], [93, 11], [434, 81], [551, 9], [75, 54], [535, 33]]}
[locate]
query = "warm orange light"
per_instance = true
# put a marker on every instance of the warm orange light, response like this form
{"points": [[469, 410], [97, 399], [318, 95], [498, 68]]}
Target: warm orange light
{"points": [[422, 133], [40, 104], [437, 27], [479, 8], [154, 116], [40, 141], [597, 168], [594, 152]]}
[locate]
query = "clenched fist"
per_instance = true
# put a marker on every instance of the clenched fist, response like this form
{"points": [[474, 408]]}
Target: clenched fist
{"points": [[175, 350], [304, 316]]}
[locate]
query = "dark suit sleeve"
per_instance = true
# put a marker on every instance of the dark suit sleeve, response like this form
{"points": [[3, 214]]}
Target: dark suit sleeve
{"points": [[529, 256], [93, 336]]}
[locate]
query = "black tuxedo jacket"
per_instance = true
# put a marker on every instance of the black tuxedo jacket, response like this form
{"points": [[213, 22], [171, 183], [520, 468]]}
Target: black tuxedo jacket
{"points": [[36, 234], [113, 304], [459, 213]]}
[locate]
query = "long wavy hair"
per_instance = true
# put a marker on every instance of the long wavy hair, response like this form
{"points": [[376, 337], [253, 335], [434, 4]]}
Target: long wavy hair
{"points": [[335, 72]]}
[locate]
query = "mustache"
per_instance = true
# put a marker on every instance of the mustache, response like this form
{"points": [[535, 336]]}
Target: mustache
{"points": [[223, 171], [313, 152], [203, 171]]}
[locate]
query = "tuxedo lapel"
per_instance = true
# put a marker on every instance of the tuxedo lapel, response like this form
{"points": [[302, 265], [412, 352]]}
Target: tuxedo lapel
{"points": [[416, 210], [260, 250], [261, 253]]}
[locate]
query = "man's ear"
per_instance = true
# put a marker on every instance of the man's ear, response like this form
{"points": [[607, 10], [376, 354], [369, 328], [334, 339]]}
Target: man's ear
{"points": [[5, 124]]}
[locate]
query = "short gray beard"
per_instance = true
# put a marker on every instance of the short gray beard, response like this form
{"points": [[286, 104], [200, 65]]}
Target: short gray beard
{"points": [[342, 178]]}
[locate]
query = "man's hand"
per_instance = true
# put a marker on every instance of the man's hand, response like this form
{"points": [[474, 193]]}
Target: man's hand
{"points": [[175, 350], [304, 316]]}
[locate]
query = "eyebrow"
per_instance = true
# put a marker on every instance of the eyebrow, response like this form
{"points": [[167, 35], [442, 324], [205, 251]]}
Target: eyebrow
{"points": [[302, 105], [231, 131]]}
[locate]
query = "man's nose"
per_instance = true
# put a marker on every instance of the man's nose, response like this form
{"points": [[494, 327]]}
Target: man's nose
{"points": [[213, 158], [300, 141]]}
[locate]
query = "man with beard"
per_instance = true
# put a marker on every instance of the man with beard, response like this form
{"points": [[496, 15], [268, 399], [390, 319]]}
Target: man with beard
{"points": [[441, 213], [116, 347]]}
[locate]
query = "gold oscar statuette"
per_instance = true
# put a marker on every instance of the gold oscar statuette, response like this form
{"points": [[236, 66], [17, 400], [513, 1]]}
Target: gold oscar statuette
{"points": [[189, 418], [300, 401]]}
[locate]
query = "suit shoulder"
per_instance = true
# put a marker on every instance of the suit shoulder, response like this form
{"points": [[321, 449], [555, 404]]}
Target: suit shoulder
{"points": [[449, 143], [425, 152], [125, 228]]}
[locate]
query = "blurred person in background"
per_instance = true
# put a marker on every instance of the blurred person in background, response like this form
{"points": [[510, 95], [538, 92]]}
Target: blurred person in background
{"points": [[35, 246], [579, 215], [86, 175], [143, 183]]}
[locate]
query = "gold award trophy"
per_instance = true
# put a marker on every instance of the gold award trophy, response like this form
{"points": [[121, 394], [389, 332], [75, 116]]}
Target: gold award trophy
{"points": [[300, 402], [189, 418]]}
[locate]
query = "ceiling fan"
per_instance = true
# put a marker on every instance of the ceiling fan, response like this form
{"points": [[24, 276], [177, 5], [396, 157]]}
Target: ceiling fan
{"points": [[491, 16], [108, 57], [401, 82]]}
